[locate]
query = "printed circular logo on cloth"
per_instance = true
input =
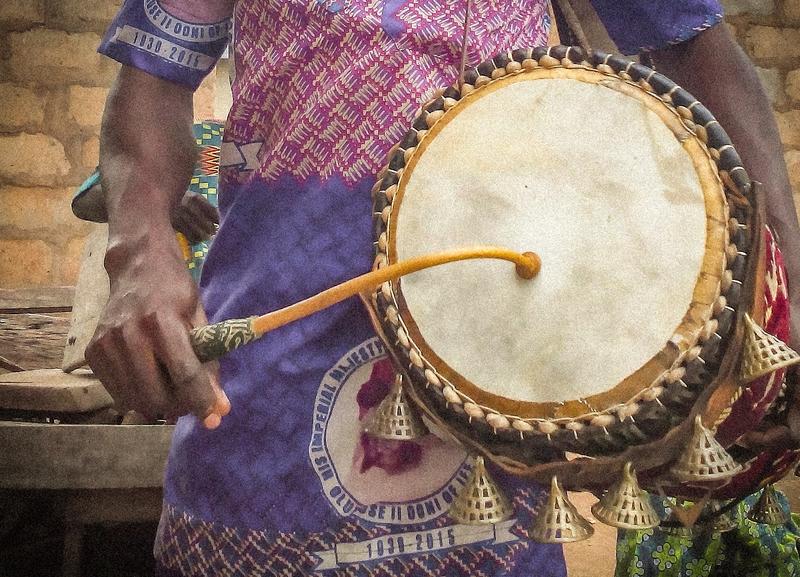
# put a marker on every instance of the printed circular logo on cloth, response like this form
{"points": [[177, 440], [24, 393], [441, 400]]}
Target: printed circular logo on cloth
{"points": [[380, 481]]}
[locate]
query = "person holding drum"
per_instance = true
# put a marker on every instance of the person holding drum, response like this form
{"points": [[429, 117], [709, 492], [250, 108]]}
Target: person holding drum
{"points": [[268, 472]]}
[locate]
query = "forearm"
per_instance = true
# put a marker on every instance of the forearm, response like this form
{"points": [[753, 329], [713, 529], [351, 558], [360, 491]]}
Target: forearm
{"points": [[147, 155], [718, 73], [141, 349]]}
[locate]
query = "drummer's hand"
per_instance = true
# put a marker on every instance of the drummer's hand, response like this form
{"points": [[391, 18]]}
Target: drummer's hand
{"points": [[777, 438], [141, 349], [195, 217], [785, 436]]}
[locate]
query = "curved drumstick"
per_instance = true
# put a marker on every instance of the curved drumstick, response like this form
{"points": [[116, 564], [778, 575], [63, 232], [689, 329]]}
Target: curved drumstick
{"points": [[212, 341]]}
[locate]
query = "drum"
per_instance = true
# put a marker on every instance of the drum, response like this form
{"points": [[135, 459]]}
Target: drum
{"points": [[652, 250]]}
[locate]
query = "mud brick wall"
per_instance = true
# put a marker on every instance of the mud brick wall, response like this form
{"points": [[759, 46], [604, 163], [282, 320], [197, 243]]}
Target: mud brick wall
{"points": [[53, 85]]}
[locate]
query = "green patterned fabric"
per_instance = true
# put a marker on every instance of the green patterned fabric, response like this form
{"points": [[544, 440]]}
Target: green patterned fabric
{"points": [[750, 550], [205, 180], [88, 204]]}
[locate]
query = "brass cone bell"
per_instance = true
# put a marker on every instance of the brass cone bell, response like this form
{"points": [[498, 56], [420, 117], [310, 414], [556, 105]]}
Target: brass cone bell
{"points": [[558, 521], [704, 459], [763, 353], [768, 509], [625, 505], [723, 522], [480, 501], [396, 418]]}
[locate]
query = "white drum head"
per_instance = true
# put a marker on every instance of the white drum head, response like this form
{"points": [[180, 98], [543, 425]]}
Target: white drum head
{"points": [[604, 189]]}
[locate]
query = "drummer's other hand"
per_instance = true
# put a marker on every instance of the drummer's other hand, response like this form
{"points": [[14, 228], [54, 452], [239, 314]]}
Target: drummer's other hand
{"points": [[195, 217], [778, 437], [141, 349], [784, 436]]}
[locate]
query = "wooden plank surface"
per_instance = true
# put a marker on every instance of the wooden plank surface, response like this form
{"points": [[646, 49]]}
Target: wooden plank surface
{"points": [[33, 341], [91, 296], [44, 456], [37, 299], [53, 390]]}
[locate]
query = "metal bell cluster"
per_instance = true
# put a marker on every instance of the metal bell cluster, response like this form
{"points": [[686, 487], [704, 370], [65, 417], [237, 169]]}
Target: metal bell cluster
{"points": [[624, 505], [720, 516]]}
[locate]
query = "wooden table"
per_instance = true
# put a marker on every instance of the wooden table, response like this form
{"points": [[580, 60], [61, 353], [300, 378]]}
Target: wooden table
{"points": [[101, 473], [98, 474]]}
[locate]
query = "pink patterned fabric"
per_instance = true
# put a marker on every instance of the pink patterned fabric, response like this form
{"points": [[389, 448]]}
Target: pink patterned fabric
{"points": [[337, 82]]}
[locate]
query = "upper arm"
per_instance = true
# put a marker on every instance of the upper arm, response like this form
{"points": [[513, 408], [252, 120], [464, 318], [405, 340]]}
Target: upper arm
{"points": [[708, 60], [166, 47]]}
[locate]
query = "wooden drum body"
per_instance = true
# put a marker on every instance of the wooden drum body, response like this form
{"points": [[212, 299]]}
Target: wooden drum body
{"points": [[649, 234]]}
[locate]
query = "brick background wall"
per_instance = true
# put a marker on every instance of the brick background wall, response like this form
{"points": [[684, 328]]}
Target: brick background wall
{"points": [[769, 30], [53, 85]]}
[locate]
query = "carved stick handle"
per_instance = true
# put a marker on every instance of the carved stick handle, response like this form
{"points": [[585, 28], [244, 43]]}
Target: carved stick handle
{"points": [[212, 341]]}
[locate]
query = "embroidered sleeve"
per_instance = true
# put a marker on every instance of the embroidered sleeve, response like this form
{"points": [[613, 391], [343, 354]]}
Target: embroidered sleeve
{"points": [[177, 40], [644, 25]]}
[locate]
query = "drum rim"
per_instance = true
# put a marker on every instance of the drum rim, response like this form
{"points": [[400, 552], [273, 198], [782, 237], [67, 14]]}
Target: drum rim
{"points": [[680, 107]]}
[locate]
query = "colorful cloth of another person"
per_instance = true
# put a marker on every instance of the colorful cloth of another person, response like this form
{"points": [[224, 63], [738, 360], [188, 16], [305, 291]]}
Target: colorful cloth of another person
{"points": [[205, 181], [750, 550], [88, 202]]}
